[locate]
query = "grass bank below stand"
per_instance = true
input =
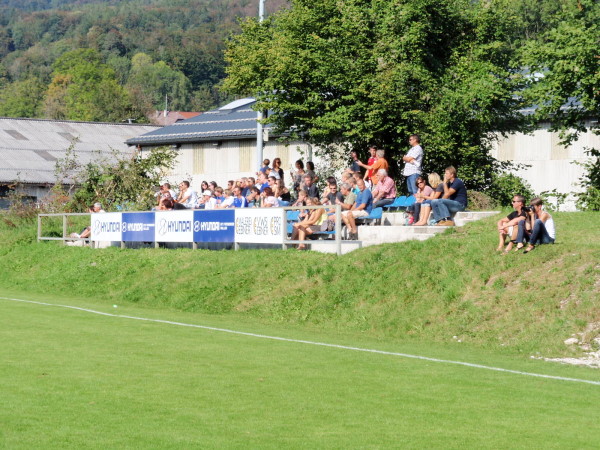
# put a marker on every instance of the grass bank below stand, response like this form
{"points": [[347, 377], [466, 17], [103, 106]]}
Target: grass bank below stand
{"points": [[451, 285]]}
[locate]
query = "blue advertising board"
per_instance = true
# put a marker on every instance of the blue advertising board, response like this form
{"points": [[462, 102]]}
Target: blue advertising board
{"points": [[138, 227], [214, 225]]}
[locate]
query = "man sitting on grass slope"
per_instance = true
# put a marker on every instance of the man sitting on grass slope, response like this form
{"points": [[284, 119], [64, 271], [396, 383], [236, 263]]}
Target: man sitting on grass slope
{"points": [[508, 226]]}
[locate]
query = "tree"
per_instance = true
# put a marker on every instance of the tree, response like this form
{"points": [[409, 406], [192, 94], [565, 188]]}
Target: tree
{"points": [[123, 181], [84, 88], [22, 98], [154, 81], [564, 63], [376, 71]]}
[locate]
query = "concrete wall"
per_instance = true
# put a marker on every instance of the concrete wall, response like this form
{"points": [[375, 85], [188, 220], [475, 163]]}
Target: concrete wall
{"points": [[552, 165]]}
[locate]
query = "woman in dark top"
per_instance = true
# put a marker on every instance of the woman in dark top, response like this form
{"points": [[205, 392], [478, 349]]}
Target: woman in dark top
{"points": [[277, 167]]}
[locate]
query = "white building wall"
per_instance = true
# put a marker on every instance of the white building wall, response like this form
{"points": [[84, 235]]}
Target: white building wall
{"points": [[552, 165]]}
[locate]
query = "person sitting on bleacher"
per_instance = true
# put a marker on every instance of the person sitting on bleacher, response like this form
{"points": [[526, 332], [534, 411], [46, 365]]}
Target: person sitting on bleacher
{"points": [[227, 200], [262, 182], [268, 199], [310, 224], [438, 190], [353, 186], [384, 191], [208, 200], [331, 194], [361, 208], [281, 192], [311, 189], [187, 197], [454, 199], [349, 197], [253, 197], [239, 201], [423, 192]]}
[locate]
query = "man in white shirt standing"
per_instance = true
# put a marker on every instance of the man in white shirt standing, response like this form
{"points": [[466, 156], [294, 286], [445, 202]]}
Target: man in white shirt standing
{"points": [[413, 160]]}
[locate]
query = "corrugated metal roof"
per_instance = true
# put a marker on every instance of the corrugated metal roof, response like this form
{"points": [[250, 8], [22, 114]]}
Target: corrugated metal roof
{"points": [[233, 121], [29, 148]]}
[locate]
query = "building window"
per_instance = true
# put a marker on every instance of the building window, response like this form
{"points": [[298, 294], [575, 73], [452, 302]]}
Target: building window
{"points": [[246, 147], [198, 159]]}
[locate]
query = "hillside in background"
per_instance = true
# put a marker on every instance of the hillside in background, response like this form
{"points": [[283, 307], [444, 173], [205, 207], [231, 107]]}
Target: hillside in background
{"points": [[138, 50]]}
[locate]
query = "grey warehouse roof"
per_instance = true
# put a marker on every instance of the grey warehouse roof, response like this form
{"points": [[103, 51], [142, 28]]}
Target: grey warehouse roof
{"points": [[235, 120], [29, 148]]}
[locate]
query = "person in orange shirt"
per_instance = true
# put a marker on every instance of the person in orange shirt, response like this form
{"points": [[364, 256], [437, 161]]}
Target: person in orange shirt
{"points": [[380, 163]]}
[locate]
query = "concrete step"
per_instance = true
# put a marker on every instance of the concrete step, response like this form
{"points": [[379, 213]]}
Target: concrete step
{"points": [[464, 217], [461, 218], [381, 234]]}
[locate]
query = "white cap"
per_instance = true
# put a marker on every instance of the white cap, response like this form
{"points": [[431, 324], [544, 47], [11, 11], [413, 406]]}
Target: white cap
{"points": [[207, 192]]}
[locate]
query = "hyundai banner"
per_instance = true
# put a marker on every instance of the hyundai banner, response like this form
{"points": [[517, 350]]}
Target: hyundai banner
{"points": [[137, 227], [106, 227], [174, 226], [214, 226], [260, 225]]}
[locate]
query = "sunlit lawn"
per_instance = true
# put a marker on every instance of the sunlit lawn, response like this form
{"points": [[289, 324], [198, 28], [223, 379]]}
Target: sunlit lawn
{"points": [[71, 379]]}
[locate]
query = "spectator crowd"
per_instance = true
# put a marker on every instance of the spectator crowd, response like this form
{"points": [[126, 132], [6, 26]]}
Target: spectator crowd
{"points": [[361, 187]]}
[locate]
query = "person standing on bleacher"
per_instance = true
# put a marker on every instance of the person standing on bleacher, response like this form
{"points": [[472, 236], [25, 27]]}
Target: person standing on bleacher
{"points": [[412, 163]]}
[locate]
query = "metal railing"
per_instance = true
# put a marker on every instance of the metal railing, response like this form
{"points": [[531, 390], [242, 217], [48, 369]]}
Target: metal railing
{"points": [[65, 227], [337, 232]]}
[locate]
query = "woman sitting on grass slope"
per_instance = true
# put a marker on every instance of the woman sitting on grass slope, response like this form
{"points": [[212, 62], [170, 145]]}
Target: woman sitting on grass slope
{"points": [[542, 227], [309, 225]]}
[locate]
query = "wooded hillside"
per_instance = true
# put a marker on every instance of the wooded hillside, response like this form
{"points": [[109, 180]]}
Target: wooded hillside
{"points": [[123, 57]]}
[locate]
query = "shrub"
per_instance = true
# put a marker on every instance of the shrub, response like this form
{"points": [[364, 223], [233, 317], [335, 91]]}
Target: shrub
{"points": [[505, 186], [589, 199], [478, 201]]}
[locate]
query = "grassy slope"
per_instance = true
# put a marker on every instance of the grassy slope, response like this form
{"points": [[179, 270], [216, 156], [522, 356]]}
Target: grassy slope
{"points": [[452, 285]]}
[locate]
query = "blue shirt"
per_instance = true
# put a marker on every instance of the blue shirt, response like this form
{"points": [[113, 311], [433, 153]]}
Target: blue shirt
{"points": [[460, 195], [240, 202], [365, 197]]}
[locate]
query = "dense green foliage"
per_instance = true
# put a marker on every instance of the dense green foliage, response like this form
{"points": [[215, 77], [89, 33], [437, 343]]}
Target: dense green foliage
{"points": [[564, 62], [126, 183], [181, 41], [589, 198], [360, 72], [505, 186], [453, 71]]}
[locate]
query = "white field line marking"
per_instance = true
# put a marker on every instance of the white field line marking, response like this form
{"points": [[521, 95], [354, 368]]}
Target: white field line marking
{"points": [[321, 344]]}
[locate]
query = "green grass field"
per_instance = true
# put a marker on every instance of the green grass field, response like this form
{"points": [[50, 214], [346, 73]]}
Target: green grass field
{"points": [[71, 379]]}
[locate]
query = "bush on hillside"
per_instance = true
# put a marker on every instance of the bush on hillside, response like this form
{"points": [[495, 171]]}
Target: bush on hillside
{"points": [[507, 185], [589, 199], [478, 201]]}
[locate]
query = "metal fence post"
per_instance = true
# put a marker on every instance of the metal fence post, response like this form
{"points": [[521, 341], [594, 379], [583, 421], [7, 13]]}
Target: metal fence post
{"points": [[338, 229], [64, 227]]}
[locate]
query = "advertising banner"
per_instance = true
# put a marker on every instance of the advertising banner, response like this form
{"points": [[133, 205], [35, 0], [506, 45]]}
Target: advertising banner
{"points": [[174, 226], [138, 226], [214, 226], [106, 227], [259, 225]]}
